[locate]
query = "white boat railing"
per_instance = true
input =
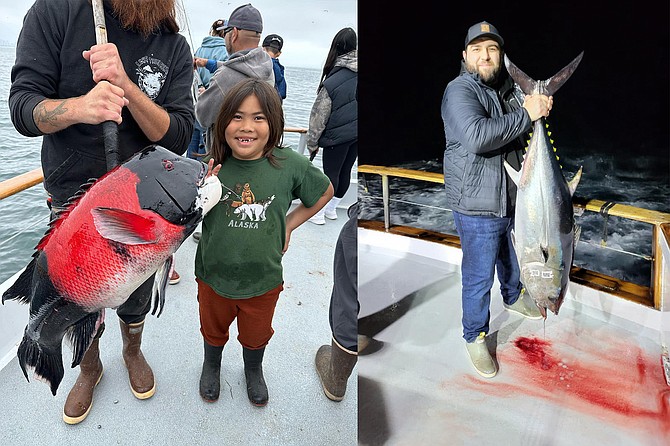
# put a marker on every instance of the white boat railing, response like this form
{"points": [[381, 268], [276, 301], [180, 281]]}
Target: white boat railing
{"points": [[657, 295]]}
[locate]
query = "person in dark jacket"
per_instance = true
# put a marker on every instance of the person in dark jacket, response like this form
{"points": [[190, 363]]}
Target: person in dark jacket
{"points": [[486, 120], [273, 44], [141, 80], [333, 121]]}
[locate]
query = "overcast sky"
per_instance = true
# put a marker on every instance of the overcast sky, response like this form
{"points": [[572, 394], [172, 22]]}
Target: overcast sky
{"points": [[307, 26]]}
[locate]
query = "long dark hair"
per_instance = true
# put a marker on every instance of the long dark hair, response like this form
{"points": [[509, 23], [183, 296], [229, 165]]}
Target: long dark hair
{"points": [[344, 41], [271, 107]]}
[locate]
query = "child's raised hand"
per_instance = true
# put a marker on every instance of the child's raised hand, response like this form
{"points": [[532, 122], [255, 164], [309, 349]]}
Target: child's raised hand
{"points": [[211, 169]]}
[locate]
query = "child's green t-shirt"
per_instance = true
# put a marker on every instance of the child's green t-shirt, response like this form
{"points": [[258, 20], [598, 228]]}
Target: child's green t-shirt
{"points": [[240, 251]]}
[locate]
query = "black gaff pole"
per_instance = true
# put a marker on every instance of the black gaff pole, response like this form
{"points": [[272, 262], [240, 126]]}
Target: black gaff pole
{"points": [[110, 131]]}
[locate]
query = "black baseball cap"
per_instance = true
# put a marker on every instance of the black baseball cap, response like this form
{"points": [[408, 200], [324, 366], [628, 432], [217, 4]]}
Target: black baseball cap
{"points": [[483, 29], [273, 41]]}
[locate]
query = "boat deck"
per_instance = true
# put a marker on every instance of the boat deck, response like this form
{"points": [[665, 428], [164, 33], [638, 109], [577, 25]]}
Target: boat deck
{"points": [[298, 412], [584, 376]]}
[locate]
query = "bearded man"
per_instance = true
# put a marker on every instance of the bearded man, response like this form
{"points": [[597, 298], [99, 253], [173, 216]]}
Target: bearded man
{"points": [[486, 120], [63, 86]]}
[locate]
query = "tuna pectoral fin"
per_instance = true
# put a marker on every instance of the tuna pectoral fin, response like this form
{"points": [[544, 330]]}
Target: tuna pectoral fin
{"points": [[160, 284], [513, 174], [81, 335], [124, 227], [47, 364], [22, 289], [572, 184]]}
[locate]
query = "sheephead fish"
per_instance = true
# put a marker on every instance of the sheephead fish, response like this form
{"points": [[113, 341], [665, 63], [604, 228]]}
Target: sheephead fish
{"points": [[545, 233], [113, 235]]}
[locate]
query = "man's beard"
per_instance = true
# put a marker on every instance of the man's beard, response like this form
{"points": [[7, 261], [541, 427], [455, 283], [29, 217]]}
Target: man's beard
{"points": [[144, 16], [489, 77]]}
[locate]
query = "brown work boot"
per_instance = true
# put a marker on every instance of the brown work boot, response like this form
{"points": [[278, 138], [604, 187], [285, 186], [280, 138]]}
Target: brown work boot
{"points": [[80, 399], [141, 376], [334, 364]]}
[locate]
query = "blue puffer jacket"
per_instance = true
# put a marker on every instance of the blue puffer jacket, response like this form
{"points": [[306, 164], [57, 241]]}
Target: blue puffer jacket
{"points": [[481, 130]]}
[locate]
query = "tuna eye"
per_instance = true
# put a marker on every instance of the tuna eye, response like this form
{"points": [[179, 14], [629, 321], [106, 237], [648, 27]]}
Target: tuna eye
{"points": [[168, 165]]}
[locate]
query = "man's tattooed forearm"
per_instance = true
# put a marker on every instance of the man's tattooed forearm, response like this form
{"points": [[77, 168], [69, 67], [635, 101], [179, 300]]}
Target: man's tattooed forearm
{"points": [[50, 117]]}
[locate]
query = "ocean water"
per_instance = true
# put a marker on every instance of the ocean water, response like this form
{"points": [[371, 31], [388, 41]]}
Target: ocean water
{"points": [[24, 216]]}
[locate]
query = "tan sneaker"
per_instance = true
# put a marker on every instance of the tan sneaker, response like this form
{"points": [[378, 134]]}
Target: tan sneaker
{"points": [[480, 356], [524, 306]]}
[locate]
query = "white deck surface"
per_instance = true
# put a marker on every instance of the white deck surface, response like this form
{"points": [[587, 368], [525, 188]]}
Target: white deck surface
{"points": [[298, 413], [581, 378]]}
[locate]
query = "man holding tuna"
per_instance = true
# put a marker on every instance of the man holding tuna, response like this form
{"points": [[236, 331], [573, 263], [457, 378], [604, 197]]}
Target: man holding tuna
{"points": [[486, 121], [63, 86]]}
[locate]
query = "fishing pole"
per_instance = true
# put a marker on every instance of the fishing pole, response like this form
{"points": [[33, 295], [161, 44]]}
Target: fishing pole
{"points": [[110, 131]]}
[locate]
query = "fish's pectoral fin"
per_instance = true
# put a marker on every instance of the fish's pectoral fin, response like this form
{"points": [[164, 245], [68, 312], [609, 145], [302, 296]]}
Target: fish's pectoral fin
{"points": [[513, 174], [572, 184], [160, 285], [123, 226], [22, 289], [81, 335]]}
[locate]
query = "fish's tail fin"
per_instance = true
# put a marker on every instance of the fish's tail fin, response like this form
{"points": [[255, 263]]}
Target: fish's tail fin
{"points": [[21, 289], [46, 365], [547, 87]]}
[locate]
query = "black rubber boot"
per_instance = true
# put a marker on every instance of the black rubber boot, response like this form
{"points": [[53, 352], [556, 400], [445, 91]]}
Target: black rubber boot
{"points": [[253, 371], [210, 379]]}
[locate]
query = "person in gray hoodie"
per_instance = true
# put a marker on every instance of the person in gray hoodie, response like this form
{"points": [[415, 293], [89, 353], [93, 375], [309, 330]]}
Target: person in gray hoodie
{"points": [[242, 34]]}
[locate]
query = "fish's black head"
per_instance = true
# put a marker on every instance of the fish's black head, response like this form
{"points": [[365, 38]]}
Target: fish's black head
{"points": [[169, 184]]}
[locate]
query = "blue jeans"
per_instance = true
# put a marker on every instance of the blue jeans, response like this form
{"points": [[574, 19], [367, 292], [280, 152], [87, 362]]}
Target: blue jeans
{"points": [[486, 246], [197, 144]]}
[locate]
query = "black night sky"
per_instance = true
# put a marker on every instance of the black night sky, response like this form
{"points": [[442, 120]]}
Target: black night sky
{"points": [[617, 101]]}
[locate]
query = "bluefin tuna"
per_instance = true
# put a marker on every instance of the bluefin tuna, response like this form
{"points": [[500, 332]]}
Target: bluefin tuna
{"points": [[545, 233], [113, 236]]}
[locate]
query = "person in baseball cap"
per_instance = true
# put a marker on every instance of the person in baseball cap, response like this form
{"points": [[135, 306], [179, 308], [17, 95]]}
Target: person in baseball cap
{"points": [[272, 44], [273, 41], [483, 29], [245, 17]]}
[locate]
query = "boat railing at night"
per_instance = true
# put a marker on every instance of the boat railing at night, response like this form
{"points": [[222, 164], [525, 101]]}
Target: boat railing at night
{"points": [[660, 222]]}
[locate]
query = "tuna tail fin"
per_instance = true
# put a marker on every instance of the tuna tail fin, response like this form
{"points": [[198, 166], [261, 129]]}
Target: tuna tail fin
{"points": [[22, 289], [47, 365], [548, 87], [81, 335]]}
